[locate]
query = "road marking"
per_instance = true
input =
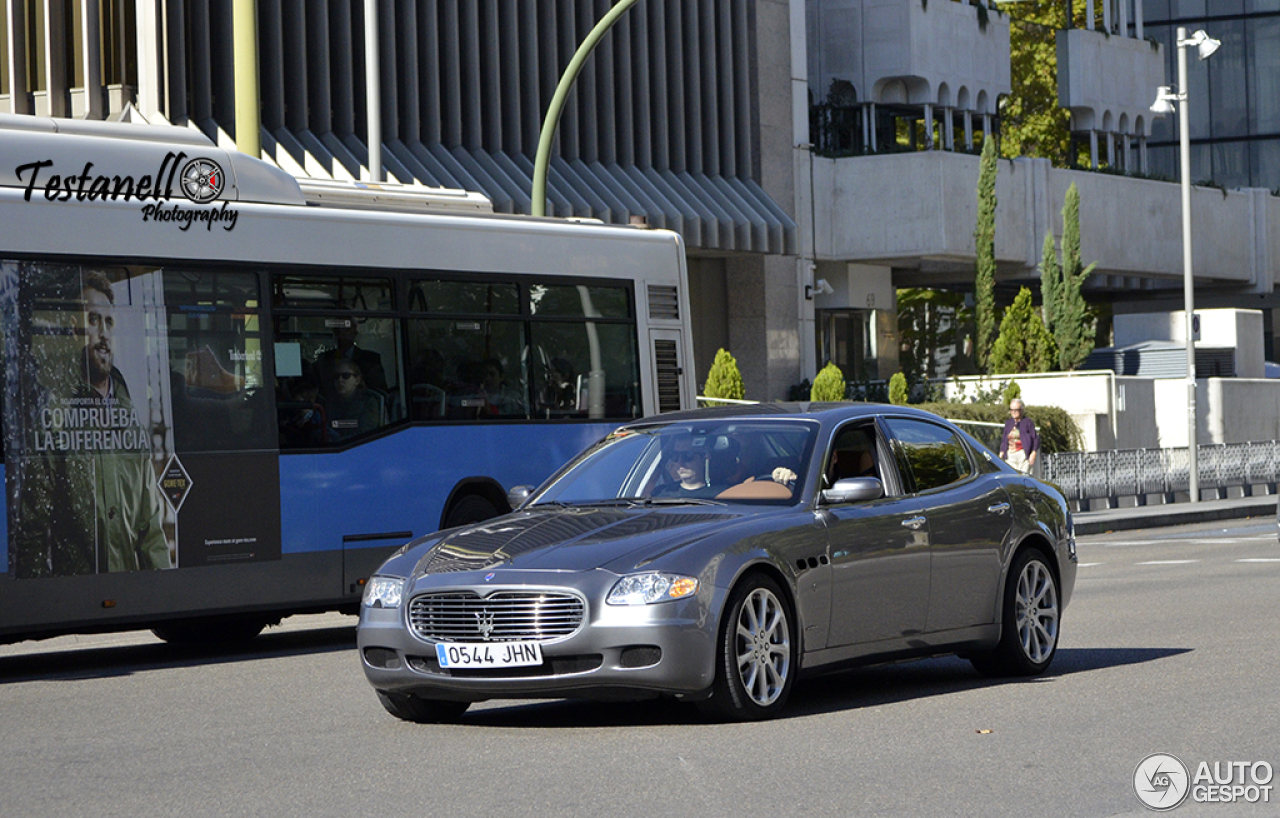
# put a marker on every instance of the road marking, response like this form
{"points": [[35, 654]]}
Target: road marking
{"points": [[1088, 564], [1167, 562], [1259, 559]]}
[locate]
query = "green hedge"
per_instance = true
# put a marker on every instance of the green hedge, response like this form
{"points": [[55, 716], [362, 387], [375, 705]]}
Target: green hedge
{"points": [[1058, 431]]}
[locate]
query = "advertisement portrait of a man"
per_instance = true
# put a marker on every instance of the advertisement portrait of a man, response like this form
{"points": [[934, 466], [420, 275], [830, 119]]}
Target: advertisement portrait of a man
{"points": [[89, 500]]}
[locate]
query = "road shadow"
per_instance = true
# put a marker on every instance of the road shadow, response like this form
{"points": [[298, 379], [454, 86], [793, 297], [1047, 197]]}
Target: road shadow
{"points": [[126, 660], [831, 693]]}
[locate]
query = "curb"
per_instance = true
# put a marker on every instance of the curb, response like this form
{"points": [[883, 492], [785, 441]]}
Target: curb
{"points": [[1129, 519]]}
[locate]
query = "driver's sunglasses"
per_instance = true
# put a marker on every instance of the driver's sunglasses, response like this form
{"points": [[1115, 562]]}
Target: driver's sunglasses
{"points": [[687, 456]]}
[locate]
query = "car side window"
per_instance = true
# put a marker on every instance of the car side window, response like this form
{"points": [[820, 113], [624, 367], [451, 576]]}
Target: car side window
{"points": [[933, 454], [852, 454]]}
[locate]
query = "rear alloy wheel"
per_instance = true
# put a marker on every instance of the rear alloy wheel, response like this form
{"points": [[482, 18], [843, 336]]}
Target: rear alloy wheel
{"points": [[409, 707], [1029, 632], [756, 655]]}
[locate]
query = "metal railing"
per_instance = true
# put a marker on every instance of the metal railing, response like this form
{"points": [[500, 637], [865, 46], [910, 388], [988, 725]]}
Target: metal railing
{"points": [[1162, 473]]}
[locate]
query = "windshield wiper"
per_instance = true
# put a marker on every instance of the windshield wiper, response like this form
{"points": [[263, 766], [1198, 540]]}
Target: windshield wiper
{"points": [[681, 501], [589, 503]]}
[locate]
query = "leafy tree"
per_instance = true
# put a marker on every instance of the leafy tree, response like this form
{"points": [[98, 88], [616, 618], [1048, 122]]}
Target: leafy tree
{"points": [[1072, 321], [724, 380], [898, 389], [984, 237], [1012, 390], [1024, 344], [828, 384], [1031, 121]]}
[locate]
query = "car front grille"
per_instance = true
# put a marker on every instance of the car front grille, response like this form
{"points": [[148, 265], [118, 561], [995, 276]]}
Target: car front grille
{"points": [[505, 616]]}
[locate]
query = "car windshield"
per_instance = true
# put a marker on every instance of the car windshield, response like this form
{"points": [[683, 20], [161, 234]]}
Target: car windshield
{"points": [[720, 461]]}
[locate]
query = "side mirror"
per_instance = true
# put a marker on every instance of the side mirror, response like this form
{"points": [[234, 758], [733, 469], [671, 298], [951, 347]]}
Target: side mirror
{"points": [[517, 496], [853, 490]]}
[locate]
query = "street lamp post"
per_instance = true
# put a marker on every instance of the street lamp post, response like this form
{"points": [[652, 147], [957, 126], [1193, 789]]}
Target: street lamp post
{"points": [[1165, 97]]}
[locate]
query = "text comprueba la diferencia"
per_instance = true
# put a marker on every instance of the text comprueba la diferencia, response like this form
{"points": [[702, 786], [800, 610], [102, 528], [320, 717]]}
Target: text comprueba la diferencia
{"points": [[159, 189]]}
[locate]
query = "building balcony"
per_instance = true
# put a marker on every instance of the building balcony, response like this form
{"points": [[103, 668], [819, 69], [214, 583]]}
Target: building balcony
{"points": [[909, 57], [915, 213]]}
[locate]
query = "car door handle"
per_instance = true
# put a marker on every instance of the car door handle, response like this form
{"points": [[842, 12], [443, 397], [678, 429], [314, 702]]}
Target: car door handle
{"points": [[998, 508], [914, 523]]}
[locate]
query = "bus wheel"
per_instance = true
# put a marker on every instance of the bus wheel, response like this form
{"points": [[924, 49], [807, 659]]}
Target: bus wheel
{"points": [[212, 631], [470, 509]]}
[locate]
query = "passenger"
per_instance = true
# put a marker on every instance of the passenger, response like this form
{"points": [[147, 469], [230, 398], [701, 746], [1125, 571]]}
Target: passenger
{"points": [[501, 400], [345, 349], [686, 469], [353, 409], [302, 419]]}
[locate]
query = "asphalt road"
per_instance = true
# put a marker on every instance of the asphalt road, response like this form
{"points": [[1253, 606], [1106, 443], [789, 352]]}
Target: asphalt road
{"points": [[1169, 645]]}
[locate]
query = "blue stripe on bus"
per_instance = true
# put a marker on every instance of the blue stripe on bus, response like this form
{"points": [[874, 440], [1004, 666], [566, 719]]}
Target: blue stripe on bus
{"points": [[401, 482]]}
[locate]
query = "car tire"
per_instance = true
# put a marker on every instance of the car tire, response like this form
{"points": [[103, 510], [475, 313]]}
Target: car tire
{"points": [[470, 509], [408, 707], [755, 654], [1029, 620]]}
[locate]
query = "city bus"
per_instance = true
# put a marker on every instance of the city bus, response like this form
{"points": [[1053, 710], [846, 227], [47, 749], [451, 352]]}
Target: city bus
{"points": [[230, 394]]}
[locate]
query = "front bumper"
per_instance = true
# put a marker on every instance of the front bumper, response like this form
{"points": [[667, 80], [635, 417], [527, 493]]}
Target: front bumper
{"points": [[667, 647]]}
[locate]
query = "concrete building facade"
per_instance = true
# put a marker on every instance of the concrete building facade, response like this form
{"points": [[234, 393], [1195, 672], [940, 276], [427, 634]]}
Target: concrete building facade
{"points": [[816, 155]]}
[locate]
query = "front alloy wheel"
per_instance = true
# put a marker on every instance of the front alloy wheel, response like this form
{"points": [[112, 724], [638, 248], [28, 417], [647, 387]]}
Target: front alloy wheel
{"points": [[1036, 612], [756, 653], [1029, 625]]}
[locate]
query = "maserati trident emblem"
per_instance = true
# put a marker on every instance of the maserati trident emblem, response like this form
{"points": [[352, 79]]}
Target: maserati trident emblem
{"points": [[484, 624]]}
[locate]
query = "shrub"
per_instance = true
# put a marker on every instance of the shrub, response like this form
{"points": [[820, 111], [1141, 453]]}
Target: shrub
{"points": [[828, 385], [898, 389], [1024, 344], [1058, 431], [724, 380]]}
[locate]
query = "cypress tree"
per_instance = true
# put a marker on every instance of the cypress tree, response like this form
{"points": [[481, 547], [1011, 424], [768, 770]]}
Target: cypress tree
{"points": [[1072, 323], [1050, 284], [984, 237]]}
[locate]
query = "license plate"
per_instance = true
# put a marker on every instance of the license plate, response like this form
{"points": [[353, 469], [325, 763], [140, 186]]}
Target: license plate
{"points": [[488, 654]]}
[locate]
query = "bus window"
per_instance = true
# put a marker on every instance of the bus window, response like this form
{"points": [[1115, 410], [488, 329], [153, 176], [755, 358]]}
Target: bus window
{"points": [[467, 369], [220, 400], [464, 297], [578, 301], [563, 352], [578, 330], [337, 377], [330, 292]]}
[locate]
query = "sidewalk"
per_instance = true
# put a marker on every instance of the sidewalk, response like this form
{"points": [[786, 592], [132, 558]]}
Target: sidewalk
{"points": [[1157, 516]]}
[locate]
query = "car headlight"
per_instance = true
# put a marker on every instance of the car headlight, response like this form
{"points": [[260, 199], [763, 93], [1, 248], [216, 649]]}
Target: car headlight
{"points": [[644, 589], [383, 592]]}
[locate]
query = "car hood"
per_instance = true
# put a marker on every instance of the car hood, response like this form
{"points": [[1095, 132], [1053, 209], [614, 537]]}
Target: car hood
{"points": [[572, 539]]}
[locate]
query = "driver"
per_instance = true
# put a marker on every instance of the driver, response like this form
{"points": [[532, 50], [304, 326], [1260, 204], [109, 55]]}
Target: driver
{"points": [[684, 459]]}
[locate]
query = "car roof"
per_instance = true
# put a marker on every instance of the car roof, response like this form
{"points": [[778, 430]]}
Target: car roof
{"points": [[824, 412]]}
